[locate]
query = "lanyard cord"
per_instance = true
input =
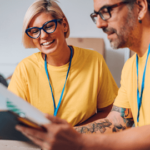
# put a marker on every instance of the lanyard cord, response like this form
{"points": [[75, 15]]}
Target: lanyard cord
{"points": [[60, 100], [139, 97]]}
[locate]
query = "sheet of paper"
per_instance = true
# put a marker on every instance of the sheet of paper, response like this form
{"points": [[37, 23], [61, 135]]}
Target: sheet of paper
{"points": [[3, 106], [9, 101]]}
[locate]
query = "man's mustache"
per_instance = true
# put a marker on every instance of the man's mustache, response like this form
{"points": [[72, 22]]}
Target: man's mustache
{"points": [[109, 30]]}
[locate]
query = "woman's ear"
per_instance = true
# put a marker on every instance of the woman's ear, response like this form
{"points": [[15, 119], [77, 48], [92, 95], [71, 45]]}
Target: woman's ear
{"points": [[142, 8], [65, 24]]}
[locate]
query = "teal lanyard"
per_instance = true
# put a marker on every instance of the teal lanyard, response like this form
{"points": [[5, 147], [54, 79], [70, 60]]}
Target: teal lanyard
{"points": [[60, 100], [139, 98]]}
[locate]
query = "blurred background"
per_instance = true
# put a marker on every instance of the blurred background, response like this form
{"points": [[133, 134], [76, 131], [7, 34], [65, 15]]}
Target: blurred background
{"points": [[78, 14]]}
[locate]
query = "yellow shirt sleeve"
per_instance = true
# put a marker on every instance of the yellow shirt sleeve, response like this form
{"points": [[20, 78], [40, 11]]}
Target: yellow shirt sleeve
{"points": [[122, 98], [18, 84], [108, 88]]}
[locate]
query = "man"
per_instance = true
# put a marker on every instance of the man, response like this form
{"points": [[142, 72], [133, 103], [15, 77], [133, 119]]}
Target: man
{"points": [[127, 24]]}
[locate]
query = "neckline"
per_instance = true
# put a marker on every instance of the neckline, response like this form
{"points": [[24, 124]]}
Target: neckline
{"points": [[58, 68], [143, 58]]}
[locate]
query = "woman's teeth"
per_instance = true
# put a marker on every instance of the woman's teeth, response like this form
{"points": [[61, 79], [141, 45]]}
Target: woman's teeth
{"points": [[47, 43]]}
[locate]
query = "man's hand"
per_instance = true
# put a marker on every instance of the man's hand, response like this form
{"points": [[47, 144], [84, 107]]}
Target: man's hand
{"points": [[59, 135]]}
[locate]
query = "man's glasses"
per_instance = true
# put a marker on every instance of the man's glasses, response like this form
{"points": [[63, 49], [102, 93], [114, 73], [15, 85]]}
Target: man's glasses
{"points": [[104, 12], [48, 27]]}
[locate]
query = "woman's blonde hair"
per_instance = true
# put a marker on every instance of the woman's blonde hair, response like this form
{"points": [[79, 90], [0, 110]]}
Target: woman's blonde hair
{"points": [[39, 6]]}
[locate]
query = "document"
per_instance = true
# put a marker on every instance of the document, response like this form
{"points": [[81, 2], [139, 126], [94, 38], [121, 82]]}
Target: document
{"points": [[14, 110]]}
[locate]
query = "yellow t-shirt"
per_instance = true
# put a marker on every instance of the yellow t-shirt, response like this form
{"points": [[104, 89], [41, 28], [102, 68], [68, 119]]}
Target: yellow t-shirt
{"points": [[127, 94], [89, 86]]}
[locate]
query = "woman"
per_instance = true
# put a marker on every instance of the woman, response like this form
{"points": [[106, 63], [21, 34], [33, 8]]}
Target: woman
{"points": [[70, 82]]}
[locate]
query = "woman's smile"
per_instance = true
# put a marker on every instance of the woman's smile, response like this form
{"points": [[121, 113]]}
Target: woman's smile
{"points": [[47, 43]]}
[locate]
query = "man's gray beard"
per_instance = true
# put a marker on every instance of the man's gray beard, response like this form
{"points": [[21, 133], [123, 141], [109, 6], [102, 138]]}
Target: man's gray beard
{"points": [[124, 37], [120, 42], [114, 44]]}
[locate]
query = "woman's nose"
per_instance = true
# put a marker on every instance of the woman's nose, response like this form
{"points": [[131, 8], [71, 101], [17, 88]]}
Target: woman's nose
{"points": [[44, 34]]}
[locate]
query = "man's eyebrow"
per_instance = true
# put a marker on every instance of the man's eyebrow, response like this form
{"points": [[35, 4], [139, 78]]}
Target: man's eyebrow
{"points": [[105, 6]]}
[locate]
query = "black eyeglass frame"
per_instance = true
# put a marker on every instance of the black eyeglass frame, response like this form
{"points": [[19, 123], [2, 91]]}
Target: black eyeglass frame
{"points": [[109, 8], [42, 28]]}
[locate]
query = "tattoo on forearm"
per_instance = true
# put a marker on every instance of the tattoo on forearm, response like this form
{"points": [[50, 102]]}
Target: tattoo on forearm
{"points": [[118, 128], [126, 114], [94, 127], [105, 124], [115, 108]]}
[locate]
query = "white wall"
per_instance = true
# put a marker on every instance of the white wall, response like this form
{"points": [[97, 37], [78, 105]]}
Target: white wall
{"points": [[78, 13]]}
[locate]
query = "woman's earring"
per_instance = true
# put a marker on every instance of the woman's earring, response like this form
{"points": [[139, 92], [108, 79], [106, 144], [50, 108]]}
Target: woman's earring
{"points": [[140, 21]]}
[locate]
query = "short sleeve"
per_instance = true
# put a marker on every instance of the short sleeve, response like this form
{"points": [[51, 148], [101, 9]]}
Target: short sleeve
{"points": [[108, 88], [18, 84], [122, 98]]}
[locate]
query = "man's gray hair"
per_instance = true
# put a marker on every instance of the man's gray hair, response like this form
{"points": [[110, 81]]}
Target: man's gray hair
{"points": [[133, 1]]}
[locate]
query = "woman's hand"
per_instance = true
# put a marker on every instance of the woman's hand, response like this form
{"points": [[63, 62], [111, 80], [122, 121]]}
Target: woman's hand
{"points": [[59, 135]]}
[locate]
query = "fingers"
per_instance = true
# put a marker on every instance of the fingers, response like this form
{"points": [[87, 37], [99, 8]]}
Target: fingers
{"points": [[41, 139], [55, 119], [33, 133], [58, 136]]}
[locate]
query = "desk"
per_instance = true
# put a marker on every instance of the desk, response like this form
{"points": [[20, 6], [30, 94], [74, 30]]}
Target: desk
{"points": [[17, 145]]}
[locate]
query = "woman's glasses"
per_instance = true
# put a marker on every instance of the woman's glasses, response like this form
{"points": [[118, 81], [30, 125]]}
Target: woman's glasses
{"points": [[48, 27]]}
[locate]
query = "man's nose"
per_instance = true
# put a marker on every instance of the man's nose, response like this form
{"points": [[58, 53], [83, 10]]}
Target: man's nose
{"points": [[100, 23], [44, 34]]}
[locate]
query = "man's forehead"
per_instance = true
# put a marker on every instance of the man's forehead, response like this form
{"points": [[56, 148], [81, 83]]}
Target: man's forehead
{"points": [[100, 3]]}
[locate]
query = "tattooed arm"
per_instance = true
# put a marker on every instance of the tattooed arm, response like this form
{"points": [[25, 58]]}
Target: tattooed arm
{"points": [[118, 119], [60, 135], [101, 113]]}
